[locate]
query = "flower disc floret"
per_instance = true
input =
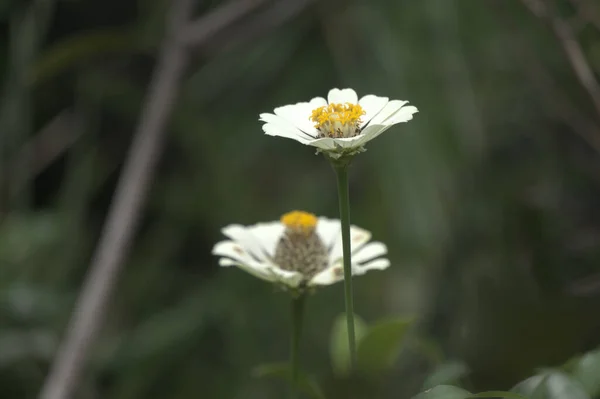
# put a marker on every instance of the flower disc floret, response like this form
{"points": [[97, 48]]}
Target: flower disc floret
{"points": [[300, 249], [299, 221], [338, 120]]}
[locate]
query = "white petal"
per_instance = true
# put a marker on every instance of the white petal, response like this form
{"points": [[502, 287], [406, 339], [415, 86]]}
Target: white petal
{"points": [[325, 143], [329, 230], [254, 269], [370, 251], [264, 270], [328, 276], [318, 102], [377, 264], [330, 144], [358, 237], [391, 108], [243, 236], [350, 142], [299, 114], [404, 114], [233, 250], [370, 132], [268, 234], [289, 278], [276, 131], [343, 96], [277, 126], [335, 273], [372, 105]]}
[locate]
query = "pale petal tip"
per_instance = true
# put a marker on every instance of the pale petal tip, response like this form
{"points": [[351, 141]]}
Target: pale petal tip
{"points": [[231, 228], [328, 276], [411, 108], [384, 264], [261, 117], [217, 247], [226, 262], [336, 95]]}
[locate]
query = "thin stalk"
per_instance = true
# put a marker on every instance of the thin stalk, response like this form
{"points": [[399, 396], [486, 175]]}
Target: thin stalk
{"points": [[297, 318], [341, 171]]}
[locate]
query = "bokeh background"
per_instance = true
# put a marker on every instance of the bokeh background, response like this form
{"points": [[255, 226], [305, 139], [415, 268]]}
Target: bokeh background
{"points": [[488, 200]]}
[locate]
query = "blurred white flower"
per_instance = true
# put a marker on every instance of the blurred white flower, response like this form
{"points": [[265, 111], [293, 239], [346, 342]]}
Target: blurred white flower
{"points": [[298, 251], [340, 125]]}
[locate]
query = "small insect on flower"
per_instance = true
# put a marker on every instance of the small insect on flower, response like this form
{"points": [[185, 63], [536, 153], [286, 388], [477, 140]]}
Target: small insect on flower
{"points": [[340, 125], [298, 251]]}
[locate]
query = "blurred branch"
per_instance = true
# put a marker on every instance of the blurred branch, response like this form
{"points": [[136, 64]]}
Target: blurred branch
{"points": [[281, 12], [575, 54], [555, 99], [195, 33], [123, 215], [585, 127]]}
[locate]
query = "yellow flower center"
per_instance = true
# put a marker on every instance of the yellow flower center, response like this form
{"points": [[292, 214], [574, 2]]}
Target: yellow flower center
{"points": [[338, 120], [300, 222]]}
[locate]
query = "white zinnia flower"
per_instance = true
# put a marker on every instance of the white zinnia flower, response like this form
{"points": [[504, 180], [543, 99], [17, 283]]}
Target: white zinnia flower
{"points": [[298, 251], [340, 125]]}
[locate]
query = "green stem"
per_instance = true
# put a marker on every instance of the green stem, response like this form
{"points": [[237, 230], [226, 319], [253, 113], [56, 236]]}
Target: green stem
{"points": [[297, 318], [341, 171]]}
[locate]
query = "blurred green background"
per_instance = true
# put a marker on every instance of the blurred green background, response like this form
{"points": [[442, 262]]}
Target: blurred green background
{"points": [[488, 200]]}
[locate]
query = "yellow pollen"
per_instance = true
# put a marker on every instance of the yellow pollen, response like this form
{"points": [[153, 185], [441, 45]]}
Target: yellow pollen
{"points": [[299, 221], [337, 118]]}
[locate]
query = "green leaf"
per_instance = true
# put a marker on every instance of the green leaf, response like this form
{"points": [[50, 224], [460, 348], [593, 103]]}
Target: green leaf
{"points": [[444, 392], [587, 372], [532, 387], [551, 385], [283, 372], [338, 347], [380, 346], [498, 394], [452, 392], [447, 373]]}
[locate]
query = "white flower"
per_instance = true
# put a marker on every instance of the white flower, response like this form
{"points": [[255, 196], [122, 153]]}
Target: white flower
{"points": [[340, 125], [298, 251]]}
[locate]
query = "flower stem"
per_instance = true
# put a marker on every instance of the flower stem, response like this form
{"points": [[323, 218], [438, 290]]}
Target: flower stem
{"points": [[341, 171], [297, 318]]}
